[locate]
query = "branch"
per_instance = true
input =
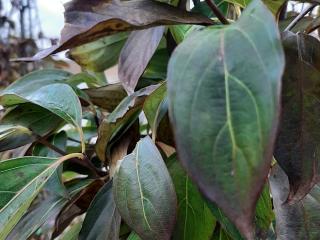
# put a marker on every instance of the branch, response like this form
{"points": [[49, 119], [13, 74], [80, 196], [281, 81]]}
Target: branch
{"points": [[217, 12], [300, 16], [85, 162]]}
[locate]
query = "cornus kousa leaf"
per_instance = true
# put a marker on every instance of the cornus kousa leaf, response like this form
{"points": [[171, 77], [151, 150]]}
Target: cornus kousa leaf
{"points": [[87, 21], [224, 104], [144, 193], [298, 141]]}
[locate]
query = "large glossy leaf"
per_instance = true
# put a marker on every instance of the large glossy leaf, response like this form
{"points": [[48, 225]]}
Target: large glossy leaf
{"points": [[102, 221], [299, 220], [101, 54], [21, 180], [144, 193], [120, 119], [298, 141], [87, 21], [40, 88], [192, 208], [45, 210], [224, 109], [136, 55], [58, 98], [35, 80]]}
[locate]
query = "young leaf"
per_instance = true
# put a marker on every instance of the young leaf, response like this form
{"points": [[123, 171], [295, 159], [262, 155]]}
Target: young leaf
{"points": [[102, 221], [192, 208], [88, 21], [224, 109], [298, 140], [22, 179], [144, 193], [136, 55], [298, 220]]}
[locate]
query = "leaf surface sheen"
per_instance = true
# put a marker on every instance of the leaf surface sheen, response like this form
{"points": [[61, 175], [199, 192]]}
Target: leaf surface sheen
{"points": [[144, 193], [224, 103]]}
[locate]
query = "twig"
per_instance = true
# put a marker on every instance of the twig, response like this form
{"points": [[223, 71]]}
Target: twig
{"points": [[217, 12], [300, 16], [48, 144], [85, 162]]}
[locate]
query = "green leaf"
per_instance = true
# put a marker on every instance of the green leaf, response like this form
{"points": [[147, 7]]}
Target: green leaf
{"points": [[181, 32], [204, 9], [91, 79], [13, 136], [220, 234], [133, 236], [21, 124], [55, 182], [120, 120], [72, 232], [274, 5], [241, 3], [298, 220], [107, 97], [21, 180], [102, 221], [60, 99], [44, 211], [144, 193], [224, 108], [298, 141], [155, 107], [35, 80], [192, 208], [101, 54], [224, 222], [157, 67]]}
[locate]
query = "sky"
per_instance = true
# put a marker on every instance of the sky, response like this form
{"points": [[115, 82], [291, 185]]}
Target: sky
{"points": [[51, 16]]}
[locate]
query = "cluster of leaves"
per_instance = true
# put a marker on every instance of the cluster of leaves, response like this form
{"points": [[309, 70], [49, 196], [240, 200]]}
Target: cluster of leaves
{"points": [[183, 146]]}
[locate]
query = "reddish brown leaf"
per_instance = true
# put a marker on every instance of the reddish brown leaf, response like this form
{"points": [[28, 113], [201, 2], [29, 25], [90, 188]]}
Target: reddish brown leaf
{"points": [[136, 54], [86, 21]]}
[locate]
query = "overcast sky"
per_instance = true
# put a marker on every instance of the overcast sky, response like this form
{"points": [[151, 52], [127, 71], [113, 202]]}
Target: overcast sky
{"points": [[51, 16]]}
